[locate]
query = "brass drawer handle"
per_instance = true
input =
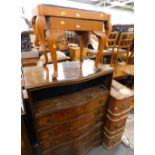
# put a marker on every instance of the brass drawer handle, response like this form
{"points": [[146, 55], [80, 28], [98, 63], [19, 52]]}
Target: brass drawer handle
{"points": [[51, 133], [124, 106], [53, 143], [116, 108], [49, 120], [100, 101], [117, 126]]}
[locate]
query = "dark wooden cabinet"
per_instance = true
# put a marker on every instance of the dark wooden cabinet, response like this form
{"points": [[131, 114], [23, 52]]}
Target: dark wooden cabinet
{"points": [[26, 148], [68, 113]]}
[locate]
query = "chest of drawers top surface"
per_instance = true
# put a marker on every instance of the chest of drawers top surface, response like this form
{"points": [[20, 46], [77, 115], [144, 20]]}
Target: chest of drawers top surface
{"points": [[120, 92], [68, 73], [50, 10]]}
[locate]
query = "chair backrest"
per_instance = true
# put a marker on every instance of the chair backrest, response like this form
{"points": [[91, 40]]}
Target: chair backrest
{"points": [[112, 39], [126, 40], [111, 43], [124, 45], [131, 57]]}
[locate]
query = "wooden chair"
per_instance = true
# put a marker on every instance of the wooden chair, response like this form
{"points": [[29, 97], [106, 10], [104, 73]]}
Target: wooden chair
{"points": [[110, 46], [131, 57], [123, 48]]}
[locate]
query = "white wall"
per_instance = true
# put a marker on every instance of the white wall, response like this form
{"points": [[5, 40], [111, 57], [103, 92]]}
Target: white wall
{"points": [[121, 16]]}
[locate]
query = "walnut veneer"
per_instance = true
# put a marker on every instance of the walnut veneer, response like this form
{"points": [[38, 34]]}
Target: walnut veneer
{"points": [[68, 113]]}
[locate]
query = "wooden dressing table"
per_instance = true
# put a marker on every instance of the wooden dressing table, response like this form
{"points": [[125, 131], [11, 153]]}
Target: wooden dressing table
{"points": [[49, 22]]}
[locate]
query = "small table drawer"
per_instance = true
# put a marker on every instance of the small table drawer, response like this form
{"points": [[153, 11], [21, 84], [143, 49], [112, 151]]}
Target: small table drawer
{"points": [[75, 24]]}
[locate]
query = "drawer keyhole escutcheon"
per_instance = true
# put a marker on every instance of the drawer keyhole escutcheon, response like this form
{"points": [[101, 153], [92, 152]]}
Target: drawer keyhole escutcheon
{"points": [[49, 121]]}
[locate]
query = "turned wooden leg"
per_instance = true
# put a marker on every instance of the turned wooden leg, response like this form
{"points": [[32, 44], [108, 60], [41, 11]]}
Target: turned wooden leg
{"points": [[112, 57], [102, 44], [81, 43], [52, 37], [40, 27]]}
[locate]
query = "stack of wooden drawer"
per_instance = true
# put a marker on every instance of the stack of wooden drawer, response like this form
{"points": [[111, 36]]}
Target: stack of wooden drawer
{"points": [[117, 113], [69, 122]]}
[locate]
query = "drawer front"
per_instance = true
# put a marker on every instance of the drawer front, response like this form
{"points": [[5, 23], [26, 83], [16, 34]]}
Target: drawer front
{"points": [[116, 124], [118, 115], [109, 142], [113, 133], [72, 125], [75, 24], [72, 113], [118, 106], [76, 143], [77, 148], [65, 138]]}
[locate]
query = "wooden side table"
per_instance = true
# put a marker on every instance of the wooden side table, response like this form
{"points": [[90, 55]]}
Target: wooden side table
{"points": [[49, 22]]}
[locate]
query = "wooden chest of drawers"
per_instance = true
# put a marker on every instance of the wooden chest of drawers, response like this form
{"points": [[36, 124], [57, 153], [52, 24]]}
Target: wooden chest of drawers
{"points": [[117, 113], [26, 148], [68, 114]]}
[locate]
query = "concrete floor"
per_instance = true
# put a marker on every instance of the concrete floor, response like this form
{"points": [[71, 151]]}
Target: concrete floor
{"points": [[118, 150]]}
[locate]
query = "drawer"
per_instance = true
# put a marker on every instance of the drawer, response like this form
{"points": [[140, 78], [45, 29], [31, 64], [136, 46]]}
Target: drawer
{"points": [[118, 106], [109, 142], [72, 125], [65, 138], [115, 124], [69, 114], [118, 115], [77, 143], [113, 133], [75, 24]]}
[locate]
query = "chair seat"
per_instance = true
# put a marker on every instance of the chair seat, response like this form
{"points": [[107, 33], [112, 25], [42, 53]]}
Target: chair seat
{"points": [[123, 55], [115, 50], [107, 51]]}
